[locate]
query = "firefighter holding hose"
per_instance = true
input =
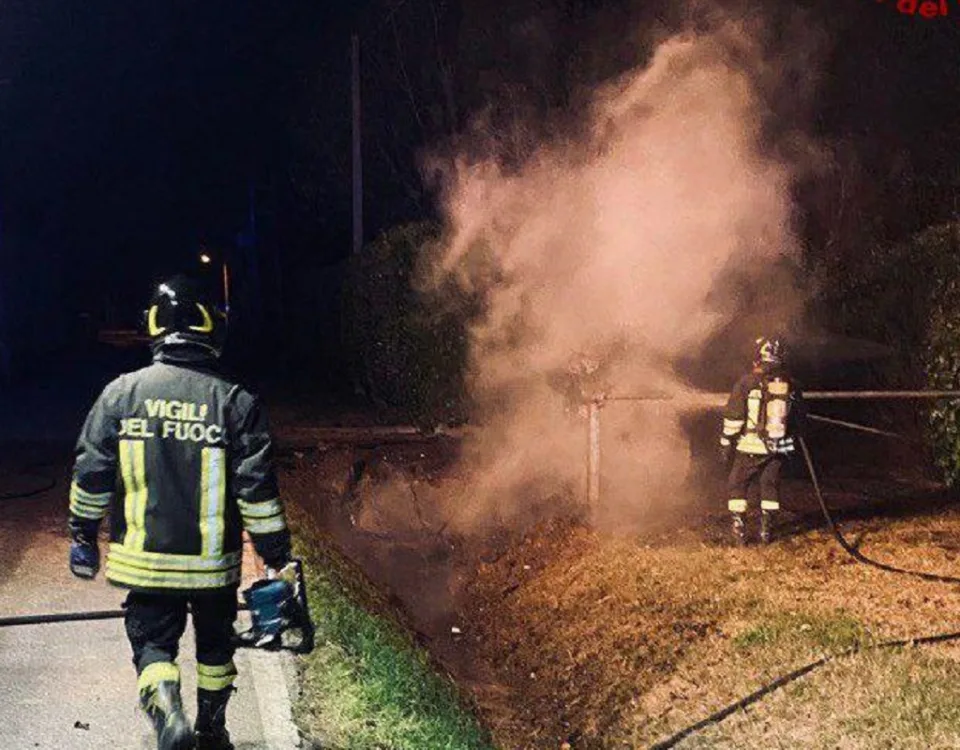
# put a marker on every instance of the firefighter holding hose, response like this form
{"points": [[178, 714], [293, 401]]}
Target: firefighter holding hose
{"points": [[761, 419], [180, 459]]}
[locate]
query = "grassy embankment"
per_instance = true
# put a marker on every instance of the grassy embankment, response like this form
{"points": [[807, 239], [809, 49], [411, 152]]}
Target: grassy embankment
{"points": [[368, 685]]}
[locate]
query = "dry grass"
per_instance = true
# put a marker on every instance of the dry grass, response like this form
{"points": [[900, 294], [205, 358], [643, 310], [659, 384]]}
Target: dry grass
{"points": [[631, 642], [599, 642], [905, 699]]}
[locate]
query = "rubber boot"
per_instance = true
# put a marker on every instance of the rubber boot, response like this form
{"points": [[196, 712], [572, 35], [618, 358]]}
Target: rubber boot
{"points": [[165, 709], [211, 724], [739, 529], [766, 526]]}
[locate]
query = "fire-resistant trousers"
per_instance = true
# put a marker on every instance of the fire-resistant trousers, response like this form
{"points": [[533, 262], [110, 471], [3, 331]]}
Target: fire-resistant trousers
{"points": [[155, 624], [748, 469]]}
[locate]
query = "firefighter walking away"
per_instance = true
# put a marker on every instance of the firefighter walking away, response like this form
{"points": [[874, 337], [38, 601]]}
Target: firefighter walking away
{"points": [[760, 422], [180, 459]]}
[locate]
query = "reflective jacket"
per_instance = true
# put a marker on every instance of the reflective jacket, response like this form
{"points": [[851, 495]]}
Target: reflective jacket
{"points": [[748, 416], [180, 459]]}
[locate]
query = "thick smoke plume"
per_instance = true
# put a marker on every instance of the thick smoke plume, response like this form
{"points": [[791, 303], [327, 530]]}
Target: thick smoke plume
{"points": [[599, 262]]}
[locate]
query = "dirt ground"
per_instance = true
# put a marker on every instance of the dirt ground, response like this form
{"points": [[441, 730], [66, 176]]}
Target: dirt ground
{"points": [[566, 638]]}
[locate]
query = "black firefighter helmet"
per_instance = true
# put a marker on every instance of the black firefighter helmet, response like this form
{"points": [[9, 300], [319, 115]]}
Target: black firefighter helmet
{"points": [[181, 312], [770, 352]]}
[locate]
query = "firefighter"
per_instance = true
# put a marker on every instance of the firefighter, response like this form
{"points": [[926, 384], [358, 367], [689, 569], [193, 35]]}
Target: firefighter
{"points": [[180, 459], [760, 422]]}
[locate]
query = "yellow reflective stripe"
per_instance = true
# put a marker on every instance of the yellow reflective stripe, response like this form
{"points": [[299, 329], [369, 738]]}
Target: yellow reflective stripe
{"points": [[263, 517], [738, 505], [169, 561], [264, 526], [732, 426], [152, 327], [218, 677], [769, 505], [207, 324], [212, 497], [118, 572], [129, 499], [215, 683], [87, 504], [751, 443], [133, 469], [261, 509], [76, 501], [92, 515], [153, 674], [217, 670], [91, 498], [81, 509], [753, 408]]}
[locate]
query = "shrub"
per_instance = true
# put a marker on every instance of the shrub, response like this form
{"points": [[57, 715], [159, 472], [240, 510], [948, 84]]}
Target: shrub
{"points": [[406, 344], [941, 346], [907, 295]]}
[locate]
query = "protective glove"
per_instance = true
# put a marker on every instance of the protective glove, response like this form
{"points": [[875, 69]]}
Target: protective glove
{"points": [[278, 562], [727, 452], [84, 552]]}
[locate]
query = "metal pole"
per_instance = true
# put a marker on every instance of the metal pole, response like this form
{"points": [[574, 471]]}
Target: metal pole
{"points": [[823, 395], [357, 153], [593, 457], [226, 288], [719, 399]]}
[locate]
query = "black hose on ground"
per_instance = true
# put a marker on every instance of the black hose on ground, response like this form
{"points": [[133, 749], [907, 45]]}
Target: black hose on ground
{"points": [[54, 619], [786, 679], [48, 483], [849, 548], [109, 614]]}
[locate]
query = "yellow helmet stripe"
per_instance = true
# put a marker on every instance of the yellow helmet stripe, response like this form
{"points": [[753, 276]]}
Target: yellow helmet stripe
{"points": [[207, 325], [152, 327]]}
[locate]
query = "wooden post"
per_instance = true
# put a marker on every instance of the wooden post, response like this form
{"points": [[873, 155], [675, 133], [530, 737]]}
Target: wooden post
{"points": [[593, 457], [357, 151]]}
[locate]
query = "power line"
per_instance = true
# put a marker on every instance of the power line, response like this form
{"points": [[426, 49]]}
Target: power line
{"points": [[387, 18]]}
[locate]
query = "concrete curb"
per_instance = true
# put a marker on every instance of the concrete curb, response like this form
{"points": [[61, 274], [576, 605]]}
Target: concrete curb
{"points": [[273, 675], [273, 700]]}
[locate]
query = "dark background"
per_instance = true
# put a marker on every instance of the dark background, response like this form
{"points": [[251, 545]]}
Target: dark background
{"points": [[132, 135]]}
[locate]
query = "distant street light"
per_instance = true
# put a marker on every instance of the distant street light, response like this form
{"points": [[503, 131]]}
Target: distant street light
{"points": [[206, 259]]}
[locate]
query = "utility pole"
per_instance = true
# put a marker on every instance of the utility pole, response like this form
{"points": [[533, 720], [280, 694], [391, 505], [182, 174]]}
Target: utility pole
{"points": [[357, 154]]}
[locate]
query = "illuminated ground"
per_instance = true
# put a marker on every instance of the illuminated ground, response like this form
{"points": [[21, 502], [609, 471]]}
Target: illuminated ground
{"points": [[564, 635]]}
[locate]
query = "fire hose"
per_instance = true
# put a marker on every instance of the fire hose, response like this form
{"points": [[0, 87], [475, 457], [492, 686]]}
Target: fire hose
{"points": [[54, 619], [277, 604], [46, 483], [796, 674]]}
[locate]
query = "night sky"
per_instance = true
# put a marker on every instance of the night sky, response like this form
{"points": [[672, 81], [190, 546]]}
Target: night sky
{"points": [[132, 133]]}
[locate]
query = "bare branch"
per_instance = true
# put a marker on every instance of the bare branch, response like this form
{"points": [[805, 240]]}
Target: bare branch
{"points": [[406, 79]]}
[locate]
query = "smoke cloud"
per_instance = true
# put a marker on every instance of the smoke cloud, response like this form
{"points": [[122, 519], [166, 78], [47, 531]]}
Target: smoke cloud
{"points": [[606, 258]]}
